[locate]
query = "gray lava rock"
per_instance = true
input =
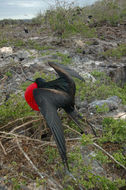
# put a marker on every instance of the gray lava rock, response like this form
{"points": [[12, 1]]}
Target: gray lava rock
{"points": [[117, 72], [3, 64], [22, 54], [95, 50], [111, 103], [3, 187], [88, 156], [88, 77], [6, 51]]}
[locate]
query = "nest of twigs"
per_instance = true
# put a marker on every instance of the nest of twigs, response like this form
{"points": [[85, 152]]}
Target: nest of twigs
{"points": [[22, 151]]}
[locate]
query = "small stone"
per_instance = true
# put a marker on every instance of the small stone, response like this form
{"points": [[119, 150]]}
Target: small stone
{"points": [[6, 50], [22, 54]]}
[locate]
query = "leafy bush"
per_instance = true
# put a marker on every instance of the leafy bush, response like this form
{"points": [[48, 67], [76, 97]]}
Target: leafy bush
{"points": [[15, 107], [64, 19], [101, 89], [114, 131], [108, 11], [120, 157], [86, 178], [118, 52], [3, 42]]}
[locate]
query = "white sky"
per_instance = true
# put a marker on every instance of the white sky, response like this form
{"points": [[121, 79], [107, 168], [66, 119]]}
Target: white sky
{"points": [[25, 9]]}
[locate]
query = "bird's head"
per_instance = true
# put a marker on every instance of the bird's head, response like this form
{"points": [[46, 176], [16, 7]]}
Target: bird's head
{"points": [[39, 82]]}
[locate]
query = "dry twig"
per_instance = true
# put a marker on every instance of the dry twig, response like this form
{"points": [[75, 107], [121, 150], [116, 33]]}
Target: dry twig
{"points": [[52, 143], [3, 148], [72, 129], [109, 155], [28, 159], [19, 119], [42, 175], [25, 124]]}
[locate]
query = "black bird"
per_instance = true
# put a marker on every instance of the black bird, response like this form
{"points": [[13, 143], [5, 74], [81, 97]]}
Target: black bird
{"points": [[26, 30], [47, 97]]}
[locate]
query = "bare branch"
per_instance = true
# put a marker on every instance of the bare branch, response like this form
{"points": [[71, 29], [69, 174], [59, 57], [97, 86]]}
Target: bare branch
{"points": [[109, 155], [3, 148], [42, 175], [25, 124], [72, 129], [19, 119], [28, 159]]}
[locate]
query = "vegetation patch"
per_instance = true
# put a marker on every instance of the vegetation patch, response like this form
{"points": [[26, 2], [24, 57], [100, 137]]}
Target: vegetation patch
{"points": [[108, 12], [101, 89], [117, 53], [65, 20], [65, 58], [3, 43], [114, 131], [18, 123], [20, 43], [14, 108]]}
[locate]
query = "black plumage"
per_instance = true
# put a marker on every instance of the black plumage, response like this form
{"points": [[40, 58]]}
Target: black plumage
{"points": [[59, 93], [26, 30]]}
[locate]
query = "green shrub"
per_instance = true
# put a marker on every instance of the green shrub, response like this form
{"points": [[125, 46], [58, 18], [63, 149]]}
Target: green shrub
{"points": [[3, 43], [65, 20], [118, 52], [15, 107], [108, 11], [84, 175], [101, 89], [120, 157], [114, 131]]}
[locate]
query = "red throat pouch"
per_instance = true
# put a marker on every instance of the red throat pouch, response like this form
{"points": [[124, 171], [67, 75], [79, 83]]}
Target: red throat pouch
{"points": [[30, 98]]}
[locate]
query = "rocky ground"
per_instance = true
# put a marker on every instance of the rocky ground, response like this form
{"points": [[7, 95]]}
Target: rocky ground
{"points": [[23, 54]]}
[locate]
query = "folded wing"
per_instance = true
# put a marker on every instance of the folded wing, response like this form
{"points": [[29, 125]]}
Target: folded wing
{"points": [[48, 101]]}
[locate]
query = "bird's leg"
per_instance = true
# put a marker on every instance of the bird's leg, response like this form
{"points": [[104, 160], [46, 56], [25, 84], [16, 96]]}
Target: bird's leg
{"points": [[67, 171], [66, 166], [73, 116], [92, 127], [80, 117], [78, 114]]}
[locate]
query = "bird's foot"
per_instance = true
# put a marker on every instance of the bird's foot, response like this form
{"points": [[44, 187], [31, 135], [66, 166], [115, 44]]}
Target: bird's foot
{"points": [[71, 175]]}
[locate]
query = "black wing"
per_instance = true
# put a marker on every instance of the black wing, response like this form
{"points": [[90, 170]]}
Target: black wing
{"points": [[48, 101], [63, 74], [71, 72]]}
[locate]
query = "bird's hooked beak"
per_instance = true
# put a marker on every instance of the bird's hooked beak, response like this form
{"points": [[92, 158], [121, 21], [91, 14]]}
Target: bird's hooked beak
{"points": [[30, 80]]}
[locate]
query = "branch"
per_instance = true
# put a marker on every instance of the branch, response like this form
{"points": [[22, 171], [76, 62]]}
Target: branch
{"points": [[13, 122], [72, 129], [28, 159], [25, 124], [42, 175], [109, 155], [92, 127], [3, 148], [73, 139]]}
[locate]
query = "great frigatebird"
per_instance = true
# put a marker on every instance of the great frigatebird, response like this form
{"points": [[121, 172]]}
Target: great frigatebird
{"points": [[47, 97]]}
